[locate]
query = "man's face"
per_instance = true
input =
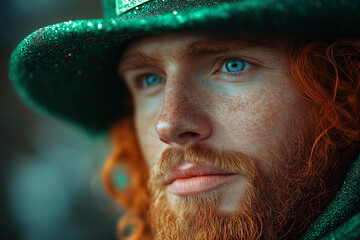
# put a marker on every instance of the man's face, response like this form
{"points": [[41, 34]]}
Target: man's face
{"points": [[231, 94]]}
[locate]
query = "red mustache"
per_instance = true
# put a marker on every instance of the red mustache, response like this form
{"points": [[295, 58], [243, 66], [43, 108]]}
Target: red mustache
{"points": [[224, 161]]}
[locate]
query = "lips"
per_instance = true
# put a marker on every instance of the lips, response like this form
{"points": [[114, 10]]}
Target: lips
{"points": [[192, 179]]}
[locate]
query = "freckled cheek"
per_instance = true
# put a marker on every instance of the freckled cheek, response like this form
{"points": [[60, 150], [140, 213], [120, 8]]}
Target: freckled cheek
{"points": [[256, 120], [264, 119], [151, 146]]}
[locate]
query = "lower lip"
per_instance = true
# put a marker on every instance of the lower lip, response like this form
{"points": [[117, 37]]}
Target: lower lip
{"points": [[193, 185]]}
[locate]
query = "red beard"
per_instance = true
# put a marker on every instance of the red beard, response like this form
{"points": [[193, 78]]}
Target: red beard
{"points": [[278, 204]]}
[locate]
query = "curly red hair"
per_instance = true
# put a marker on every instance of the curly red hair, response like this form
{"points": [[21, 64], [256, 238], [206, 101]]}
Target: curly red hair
{"points": [[135, 197], [327, 72]]}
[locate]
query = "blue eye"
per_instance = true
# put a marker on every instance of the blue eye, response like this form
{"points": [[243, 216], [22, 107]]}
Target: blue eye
{"points": [[151, 79], [235, 66]]}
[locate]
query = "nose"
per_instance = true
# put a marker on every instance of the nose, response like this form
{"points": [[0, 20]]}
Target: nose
{"points": [[183, 120]]}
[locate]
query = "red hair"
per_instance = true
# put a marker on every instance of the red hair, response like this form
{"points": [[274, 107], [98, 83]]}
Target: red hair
{"points": [[135, 198], [328, 75]]}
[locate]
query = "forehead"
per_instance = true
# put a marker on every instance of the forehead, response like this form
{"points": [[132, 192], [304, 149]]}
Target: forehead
{"points": [[189, 45], [248, 38]]}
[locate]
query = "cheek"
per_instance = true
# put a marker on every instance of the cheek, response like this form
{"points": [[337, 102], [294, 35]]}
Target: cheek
{"points": [[257, 116], [263, 111], [149, 142]]}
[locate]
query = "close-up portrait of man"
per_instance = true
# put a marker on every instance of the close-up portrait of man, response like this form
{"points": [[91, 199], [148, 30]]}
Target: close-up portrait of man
{"points": [[233, 119]]}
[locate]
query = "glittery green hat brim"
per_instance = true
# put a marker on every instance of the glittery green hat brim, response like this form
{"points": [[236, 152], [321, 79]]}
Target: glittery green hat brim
{"points": [[69, 70]]}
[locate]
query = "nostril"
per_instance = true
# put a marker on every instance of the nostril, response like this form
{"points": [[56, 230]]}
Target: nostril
{"points": [[164, 141], [188, 134]]}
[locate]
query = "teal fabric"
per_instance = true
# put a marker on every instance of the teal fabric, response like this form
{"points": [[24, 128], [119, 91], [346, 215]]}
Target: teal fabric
{"points": [[341, 219]]}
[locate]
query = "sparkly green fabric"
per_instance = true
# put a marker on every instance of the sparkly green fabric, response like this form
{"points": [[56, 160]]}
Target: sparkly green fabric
{"points": [[341, 219], [68, 70]]}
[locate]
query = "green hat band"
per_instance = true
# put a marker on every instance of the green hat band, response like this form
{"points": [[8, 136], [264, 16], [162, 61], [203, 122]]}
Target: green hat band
{"points": [[125, 9], [125, 5]]}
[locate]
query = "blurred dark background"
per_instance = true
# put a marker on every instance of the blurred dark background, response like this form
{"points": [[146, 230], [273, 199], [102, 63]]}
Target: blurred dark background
{"points": [[50, 183]]}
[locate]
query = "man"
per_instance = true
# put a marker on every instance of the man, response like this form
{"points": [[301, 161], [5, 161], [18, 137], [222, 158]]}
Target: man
{"points": [[238, 122]]}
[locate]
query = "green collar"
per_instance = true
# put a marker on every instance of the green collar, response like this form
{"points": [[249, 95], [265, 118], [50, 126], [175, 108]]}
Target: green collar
{"points": [[341, 219]]}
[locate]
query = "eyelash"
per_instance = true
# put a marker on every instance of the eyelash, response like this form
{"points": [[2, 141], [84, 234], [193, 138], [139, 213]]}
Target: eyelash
{"points": [[139, 83], [230, 75]]}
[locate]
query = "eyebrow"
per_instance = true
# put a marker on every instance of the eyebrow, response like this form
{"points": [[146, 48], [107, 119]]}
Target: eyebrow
{"points": [[192, 51], [205, 48], [138, 60]]}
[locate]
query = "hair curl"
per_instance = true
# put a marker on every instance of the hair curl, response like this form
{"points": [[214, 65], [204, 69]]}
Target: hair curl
{"points": [[328, 75]]}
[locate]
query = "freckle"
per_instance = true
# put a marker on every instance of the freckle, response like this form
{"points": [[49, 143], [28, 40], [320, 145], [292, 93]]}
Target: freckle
{"points": [[236, 107]]}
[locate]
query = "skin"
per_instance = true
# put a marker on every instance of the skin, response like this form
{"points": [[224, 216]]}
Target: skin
{"points": [[199, 102]]}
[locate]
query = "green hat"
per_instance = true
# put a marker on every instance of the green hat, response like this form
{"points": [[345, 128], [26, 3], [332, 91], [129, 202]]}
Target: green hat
{"points": [[69, 70]]}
